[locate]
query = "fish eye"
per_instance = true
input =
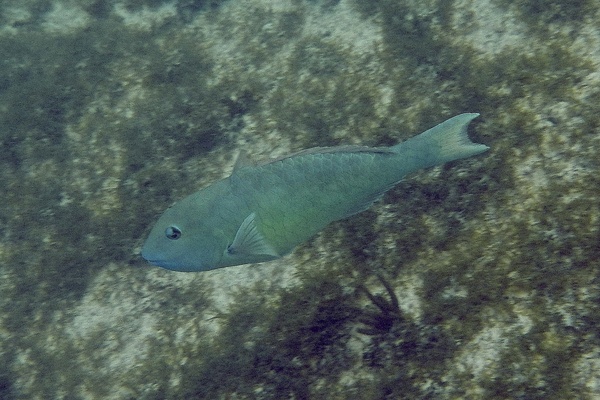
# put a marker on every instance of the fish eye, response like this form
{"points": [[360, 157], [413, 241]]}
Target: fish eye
{"points": [[173, 233]]}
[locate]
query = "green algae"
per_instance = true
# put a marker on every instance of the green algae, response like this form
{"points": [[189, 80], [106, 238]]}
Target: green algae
{"points": [[6, 386], [277, 349], [538, 13], [537, 254]]}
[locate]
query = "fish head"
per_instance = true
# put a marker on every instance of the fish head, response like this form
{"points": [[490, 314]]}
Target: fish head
{"points": [[188, 236]]}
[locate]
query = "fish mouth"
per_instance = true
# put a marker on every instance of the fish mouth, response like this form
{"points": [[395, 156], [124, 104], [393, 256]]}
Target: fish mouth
{"points": [[170, 265], [152, 259], [166, 264], [156, 261]]}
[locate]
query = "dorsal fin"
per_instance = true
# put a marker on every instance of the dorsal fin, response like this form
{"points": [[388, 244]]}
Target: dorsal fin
{"points": [[336, 149], [242, 161]]}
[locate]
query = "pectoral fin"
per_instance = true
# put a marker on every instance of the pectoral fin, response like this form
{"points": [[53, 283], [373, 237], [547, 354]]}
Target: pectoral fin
{"points": [[249, 241]]}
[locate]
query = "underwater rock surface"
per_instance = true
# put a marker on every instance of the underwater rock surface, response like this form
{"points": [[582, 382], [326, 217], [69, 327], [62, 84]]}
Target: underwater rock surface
{"points": [[479, 279]]}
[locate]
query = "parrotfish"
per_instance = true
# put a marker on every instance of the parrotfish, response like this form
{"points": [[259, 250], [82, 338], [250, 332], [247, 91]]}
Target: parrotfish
{"points": [[261, 212]]}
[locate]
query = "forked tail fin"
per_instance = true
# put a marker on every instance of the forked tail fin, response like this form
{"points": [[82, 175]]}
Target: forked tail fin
{"points": [[444, 142]]}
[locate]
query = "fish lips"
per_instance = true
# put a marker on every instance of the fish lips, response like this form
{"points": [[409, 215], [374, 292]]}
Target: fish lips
{"points": [[170, 265]]}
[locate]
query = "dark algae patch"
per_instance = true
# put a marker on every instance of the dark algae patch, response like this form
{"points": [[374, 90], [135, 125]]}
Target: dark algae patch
{"points": [[276, 348], [478, 279]]}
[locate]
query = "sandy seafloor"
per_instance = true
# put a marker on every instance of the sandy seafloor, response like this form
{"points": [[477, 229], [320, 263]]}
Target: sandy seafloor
{"points": [[475, 280]]}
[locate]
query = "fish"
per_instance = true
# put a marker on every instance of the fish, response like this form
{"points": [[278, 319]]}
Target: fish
{"points": [[262, 212]]}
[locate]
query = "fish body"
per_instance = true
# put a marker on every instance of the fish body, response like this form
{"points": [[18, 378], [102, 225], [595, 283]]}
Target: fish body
{"points": [[261, 213]]}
